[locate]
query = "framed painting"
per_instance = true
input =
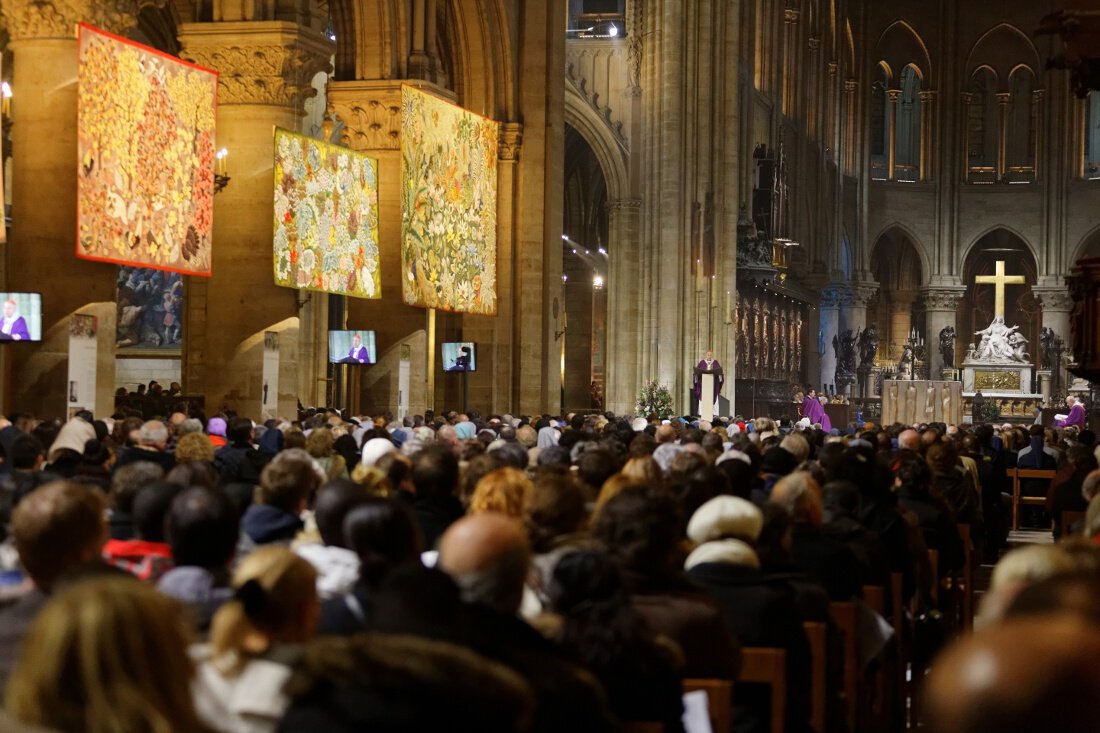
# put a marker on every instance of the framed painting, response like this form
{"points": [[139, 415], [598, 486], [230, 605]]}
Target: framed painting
{"points": [[449, 205], [146, 146]]}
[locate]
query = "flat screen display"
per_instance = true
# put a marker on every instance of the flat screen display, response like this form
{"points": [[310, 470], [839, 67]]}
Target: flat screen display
{"points": [[352, 347], [459, 357], [21, 317]]}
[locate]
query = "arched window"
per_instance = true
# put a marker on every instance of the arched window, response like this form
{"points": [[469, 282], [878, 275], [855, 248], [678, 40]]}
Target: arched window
{"points": [[880, 115], [1020, 133], [982, 127], [1092, 136], [907, 142]]}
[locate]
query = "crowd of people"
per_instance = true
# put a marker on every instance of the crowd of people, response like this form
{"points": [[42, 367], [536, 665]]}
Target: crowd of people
{"points": [[540, 573]]}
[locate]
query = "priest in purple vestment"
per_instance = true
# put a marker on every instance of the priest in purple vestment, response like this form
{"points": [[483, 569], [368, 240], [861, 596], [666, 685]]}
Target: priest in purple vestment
{"points": [[814, 409], [1076, 416], [708, 364]]}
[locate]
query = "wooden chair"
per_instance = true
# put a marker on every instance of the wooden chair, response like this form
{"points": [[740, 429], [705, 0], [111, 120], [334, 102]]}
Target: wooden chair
{"points": [[1069, 518], [875, 598], [817, 635], [1025, 473], [768, 666], [844, 616], [967, 580], [643, 727], [719, 702]]}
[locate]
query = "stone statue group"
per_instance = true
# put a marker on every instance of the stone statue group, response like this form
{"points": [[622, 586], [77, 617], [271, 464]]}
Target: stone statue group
{"points": [[999, 344]]}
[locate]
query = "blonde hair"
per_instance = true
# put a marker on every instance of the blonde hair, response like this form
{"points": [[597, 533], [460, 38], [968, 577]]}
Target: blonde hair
{"points": [[505, 490], [373, 479], [621, 481], [276, 590], [641, 469], [319, 442], [194, 447], [106, 655]]}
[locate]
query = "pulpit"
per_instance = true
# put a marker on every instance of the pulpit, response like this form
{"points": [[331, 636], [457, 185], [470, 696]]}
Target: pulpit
{"points": [[708, 382]]}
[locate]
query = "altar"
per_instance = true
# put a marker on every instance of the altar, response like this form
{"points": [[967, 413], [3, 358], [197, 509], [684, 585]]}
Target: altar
{"points": [[998, 365]]}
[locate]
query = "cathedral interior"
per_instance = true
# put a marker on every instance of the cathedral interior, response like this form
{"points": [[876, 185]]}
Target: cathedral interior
{"points": [[770, 179]]}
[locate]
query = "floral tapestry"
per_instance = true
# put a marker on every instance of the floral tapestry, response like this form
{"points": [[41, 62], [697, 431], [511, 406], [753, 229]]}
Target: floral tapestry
{"points": [[326, 217], [449, 205], [145, 142]]}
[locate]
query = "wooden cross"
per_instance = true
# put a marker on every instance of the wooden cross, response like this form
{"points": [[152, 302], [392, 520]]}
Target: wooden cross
{"points": [[999, 281]]}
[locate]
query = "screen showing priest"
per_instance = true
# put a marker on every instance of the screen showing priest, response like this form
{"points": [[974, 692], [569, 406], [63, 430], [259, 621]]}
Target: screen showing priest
{"points": [[22, 317], [351, 347], [459, 357]]}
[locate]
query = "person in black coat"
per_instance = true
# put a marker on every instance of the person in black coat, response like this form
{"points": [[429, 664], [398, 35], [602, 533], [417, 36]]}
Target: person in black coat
{"points": [[913, 482], [762, 612], [829, 562]]}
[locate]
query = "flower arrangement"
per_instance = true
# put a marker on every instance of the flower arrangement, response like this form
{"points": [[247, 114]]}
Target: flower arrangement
{"points": [[654, 399], [987, 412]]}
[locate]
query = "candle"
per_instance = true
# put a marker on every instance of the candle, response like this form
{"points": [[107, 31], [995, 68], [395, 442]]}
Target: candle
{"points": [[220, 163]]}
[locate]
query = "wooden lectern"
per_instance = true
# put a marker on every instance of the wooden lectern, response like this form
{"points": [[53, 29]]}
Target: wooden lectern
{"points": [[706, 392]]}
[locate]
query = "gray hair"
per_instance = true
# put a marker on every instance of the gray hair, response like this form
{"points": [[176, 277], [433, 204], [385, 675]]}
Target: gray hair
{"points": [[190, 425], [127, 480], [153, 432]]}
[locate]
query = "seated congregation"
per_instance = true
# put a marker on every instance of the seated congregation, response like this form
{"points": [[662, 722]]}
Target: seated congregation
{"points": [[544, 573]]}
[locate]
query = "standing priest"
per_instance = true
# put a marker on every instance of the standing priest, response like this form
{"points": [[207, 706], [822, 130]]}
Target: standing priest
{"points": [[708, 364]]}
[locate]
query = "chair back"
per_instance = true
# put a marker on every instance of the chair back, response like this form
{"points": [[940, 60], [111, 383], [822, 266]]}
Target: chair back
{"points": [[719, 701], [844, 616], [765, 665], [816, 633]]}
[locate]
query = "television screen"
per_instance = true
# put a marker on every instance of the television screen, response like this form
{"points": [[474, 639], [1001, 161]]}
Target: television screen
{"points": [[352, 347], [459, 357], [22, 317]]}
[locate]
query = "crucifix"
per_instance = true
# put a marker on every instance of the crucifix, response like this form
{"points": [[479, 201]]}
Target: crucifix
{"points": [[998, 281]]}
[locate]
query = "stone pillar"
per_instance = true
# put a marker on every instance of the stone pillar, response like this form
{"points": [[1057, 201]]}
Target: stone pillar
{"points": [[1057, 305], [266, 70], [39, 253], [854, 302], [624, 314], [941, 305], [829, 325], [371, 114]]}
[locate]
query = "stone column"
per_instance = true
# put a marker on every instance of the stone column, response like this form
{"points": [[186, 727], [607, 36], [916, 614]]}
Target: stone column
{"points": [[1057, 305], [39, 253], [829, 325], [266, 70], [941, 305], [854, 302], [624, 314]]}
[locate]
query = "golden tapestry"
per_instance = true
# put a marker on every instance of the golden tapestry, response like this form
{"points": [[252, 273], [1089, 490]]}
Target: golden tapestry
{"points": [[449, 205], [145, 144], [326, 217]]}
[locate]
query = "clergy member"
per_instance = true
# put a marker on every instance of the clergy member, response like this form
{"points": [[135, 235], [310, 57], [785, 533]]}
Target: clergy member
{"points": [[13, 327], [814, 409], [358, 351], [1076, 416], [708, 364]]}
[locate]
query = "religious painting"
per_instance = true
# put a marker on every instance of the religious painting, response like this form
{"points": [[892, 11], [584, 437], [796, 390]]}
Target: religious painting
{"points": [[150, 306], [4, 105], [326, 217], [145, 145], [449, 206]]}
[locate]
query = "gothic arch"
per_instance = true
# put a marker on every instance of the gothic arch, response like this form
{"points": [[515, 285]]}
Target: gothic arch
{"points": [[581, 117], [1089, 246], [373, 42], [967, 251], [900, 46], [1003, 49], [918, 246]]}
